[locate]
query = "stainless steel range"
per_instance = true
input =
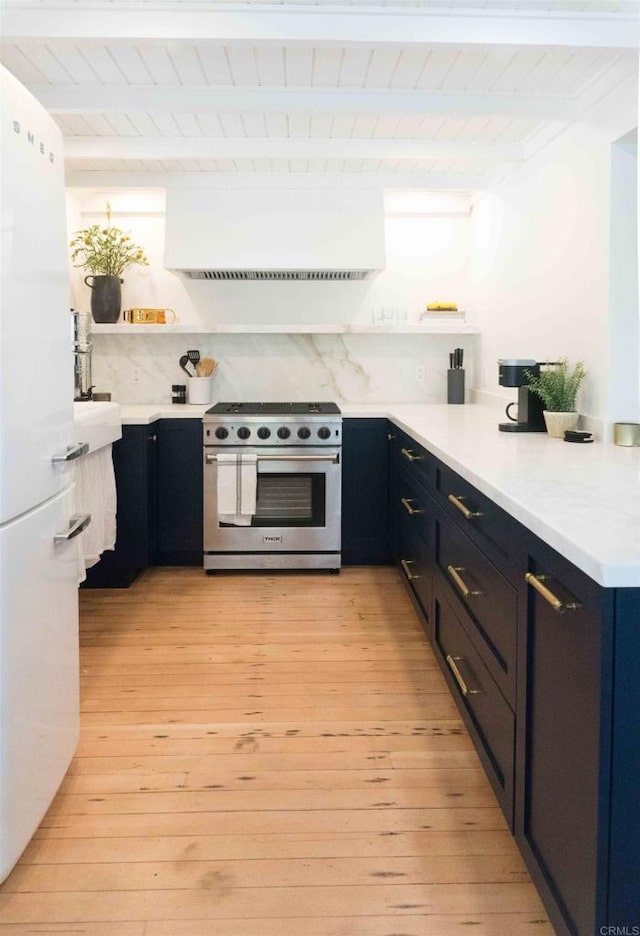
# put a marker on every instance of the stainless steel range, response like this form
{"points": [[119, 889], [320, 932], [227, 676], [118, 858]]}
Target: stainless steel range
{"points": [[272, 486]]}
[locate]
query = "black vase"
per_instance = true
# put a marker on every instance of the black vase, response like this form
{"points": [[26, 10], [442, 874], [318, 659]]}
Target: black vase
{"points": [[106, 298]]}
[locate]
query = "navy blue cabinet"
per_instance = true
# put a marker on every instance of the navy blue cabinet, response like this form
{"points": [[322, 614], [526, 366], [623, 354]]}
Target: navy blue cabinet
{"points": [[543, 664], [475, 618], [496, 533], [624, 865], [487, 601], [135, 467], [412, 515], [158, 471], [365, 483], [485, 711], [179, 492], [578, 813]]}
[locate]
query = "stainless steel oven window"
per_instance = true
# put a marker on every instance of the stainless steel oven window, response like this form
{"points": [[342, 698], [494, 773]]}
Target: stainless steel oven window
{"points": [[290, 500]]}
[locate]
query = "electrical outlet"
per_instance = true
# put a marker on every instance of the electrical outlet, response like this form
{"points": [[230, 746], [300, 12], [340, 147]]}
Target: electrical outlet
{"points": [[420, 373], [136, 375]]}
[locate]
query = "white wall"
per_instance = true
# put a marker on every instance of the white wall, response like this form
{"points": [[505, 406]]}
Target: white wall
{"points": [[623, 384], [427, 259], [540, 273]]}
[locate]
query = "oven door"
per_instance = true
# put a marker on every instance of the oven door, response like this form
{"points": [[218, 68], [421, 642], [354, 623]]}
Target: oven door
{"points": [[297, 502]]}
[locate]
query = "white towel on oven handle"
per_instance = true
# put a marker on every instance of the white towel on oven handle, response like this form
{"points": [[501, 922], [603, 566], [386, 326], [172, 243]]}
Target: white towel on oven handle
{"points": [[237, 486]]}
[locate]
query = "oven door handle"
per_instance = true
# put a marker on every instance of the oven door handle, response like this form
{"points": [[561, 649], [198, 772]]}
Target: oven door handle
{"points": [[334, 458]]}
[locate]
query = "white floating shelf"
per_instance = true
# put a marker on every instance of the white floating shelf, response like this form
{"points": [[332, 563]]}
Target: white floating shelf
{"points": [[424, 328]]}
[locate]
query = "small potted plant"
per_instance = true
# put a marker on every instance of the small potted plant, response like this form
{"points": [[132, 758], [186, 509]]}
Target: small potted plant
{"points": [[105, 251], [557, 386]]}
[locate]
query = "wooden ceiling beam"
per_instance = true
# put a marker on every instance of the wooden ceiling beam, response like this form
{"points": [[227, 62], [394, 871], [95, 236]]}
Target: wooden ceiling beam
{"points": [[82, 21], [79, 99], [149, 148], [400, 181]]}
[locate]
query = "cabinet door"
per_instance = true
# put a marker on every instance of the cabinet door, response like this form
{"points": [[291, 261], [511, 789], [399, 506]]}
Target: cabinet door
{"points": [[134, 463], [566, 775], [180, 491], [624, 874], [133, 460], [365, 511]]}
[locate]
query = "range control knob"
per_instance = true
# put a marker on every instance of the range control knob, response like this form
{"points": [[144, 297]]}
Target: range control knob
{"points": [[304, 432], [263, 432], [324, 432], [244, 432], [284, 432], [221, 432]]}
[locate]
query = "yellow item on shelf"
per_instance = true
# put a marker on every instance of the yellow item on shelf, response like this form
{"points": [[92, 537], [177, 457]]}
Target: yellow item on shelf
{"points": [[442, 307]]}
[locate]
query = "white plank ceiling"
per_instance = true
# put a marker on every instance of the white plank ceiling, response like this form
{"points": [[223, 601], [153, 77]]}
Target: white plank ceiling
{"points": [[406, 93]]}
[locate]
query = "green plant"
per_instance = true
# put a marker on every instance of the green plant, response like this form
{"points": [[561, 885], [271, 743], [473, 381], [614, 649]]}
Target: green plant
{"points": [[558, 385], [105, 251]]}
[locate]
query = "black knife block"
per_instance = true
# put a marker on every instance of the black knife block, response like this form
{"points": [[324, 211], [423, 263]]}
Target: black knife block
{"points": [[455, 385]]}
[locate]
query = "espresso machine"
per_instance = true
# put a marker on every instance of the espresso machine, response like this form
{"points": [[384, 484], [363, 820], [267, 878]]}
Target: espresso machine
{"points": [[514, 372]]}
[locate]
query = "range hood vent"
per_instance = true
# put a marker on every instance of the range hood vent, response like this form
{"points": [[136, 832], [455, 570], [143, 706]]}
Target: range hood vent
{"points": [[286, 235], [279, 275]]}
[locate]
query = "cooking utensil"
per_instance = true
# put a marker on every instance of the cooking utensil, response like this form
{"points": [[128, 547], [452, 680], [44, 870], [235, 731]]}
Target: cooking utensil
{"points": [[205, 367], [194, 357], [183, 362]]}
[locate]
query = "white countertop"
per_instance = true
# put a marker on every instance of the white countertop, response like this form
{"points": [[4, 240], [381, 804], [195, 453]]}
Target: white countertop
{"points": [[142, 414], [583, 500]]}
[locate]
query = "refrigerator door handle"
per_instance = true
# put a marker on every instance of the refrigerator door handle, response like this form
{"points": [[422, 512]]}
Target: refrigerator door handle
{"points": [[77, 450], [77, 524]]}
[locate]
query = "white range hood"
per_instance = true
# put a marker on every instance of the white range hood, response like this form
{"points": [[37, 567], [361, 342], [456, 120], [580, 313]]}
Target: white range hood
{"points": [[287, 234]]}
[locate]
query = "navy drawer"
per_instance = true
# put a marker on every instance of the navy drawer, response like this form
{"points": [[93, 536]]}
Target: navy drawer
{"points": [[413, 504], [490, 526], [416, 563], [490, 602], [418, 462], [489, 718]]}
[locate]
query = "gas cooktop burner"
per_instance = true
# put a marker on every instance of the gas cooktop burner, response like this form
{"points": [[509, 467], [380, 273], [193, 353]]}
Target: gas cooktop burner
{"points": [[274, 409]]}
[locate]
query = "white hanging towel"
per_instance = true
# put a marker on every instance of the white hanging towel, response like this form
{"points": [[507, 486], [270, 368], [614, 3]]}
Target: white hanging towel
{"points": [[96, 494], [237, 484]]}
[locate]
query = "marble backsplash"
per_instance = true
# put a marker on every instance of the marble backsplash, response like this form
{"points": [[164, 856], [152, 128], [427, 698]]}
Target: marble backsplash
{"points": [[345, 368]]}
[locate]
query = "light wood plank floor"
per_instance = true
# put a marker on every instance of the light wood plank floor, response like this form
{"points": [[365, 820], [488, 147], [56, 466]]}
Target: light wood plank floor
{"points": [[268, 755]]}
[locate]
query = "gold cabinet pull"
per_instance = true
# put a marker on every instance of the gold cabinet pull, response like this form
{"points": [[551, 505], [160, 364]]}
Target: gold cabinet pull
{"points": [[537, 582], [406, 503], [454, 572], [405, 563], [411, 455], [464, 510], [464, 689]]}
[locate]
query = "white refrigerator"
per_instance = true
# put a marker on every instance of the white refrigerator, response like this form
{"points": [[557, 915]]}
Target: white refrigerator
{"points": [[38, 565]]}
